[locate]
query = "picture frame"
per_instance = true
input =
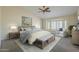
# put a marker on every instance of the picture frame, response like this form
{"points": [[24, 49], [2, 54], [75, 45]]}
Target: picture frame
{"points": [[26, 21]]}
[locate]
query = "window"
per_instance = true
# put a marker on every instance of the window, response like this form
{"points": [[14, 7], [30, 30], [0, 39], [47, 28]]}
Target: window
{"points": [[48, 24], [56, 24], [53, 25], [59, 24]]}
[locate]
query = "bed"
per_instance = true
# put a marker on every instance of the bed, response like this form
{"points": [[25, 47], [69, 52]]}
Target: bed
{"points": [[37, 37]]}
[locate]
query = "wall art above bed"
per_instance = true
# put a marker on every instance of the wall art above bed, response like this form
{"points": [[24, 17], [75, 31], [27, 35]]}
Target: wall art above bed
{"points": [[26, 21]]}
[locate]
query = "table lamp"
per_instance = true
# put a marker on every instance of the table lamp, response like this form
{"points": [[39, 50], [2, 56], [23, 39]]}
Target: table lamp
{"points": [[13, 28]]}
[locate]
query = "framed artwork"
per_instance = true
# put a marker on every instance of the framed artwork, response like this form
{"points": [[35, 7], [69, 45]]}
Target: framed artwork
{"points": [[26, 21]]}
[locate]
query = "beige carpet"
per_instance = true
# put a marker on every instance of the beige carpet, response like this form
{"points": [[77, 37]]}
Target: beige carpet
{"points": [[10, 46], [65, 45]]}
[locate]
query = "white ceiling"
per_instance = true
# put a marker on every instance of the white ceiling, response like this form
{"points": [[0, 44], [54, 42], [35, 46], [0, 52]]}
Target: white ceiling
{"points": [[55, 11]]}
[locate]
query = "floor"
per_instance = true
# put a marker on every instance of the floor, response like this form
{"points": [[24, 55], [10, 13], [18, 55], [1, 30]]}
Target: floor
{"points": [[9, 46], [65, 45]]}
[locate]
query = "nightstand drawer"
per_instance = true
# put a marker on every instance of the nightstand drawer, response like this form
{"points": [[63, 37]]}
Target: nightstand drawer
{"points": [[14, 35]]}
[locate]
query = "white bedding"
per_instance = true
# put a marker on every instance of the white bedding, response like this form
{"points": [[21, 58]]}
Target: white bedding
{"points": [[36, 35]]}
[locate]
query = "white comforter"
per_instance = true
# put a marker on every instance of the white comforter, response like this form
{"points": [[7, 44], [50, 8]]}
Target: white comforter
{"points": [[36, 35]]}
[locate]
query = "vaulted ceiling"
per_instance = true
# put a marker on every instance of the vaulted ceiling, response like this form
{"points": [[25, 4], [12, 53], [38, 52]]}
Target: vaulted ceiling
{"points": [[56, 11]]}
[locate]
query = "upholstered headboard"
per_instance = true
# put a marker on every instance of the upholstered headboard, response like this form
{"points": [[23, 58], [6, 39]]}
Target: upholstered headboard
{"points": [[21, 28]]}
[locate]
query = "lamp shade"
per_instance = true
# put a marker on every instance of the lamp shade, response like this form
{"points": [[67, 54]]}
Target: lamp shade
{"points": [[13, 28]]}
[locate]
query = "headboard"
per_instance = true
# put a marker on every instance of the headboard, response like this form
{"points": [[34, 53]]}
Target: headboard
{"points": [[21, 28]]}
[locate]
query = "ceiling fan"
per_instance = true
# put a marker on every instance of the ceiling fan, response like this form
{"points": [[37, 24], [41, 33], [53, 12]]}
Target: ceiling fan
{"points": [[44, 9]]}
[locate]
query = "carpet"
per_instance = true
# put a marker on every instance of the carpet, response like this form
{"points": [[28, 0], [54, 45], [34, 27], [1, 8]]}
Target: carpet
{"points": [[65, 45], [10, 45]]}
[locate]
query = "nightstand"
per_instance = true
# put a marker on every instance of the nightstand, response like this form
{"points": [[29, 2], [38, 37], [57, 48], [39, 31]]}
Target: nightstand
{"points": [[14, 35]]}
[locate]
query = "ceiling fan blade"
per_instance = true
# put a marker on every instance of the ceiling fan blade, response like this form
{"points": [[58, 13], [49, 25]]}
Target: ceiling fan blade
{"points": [[47, 8], [40, 9]]}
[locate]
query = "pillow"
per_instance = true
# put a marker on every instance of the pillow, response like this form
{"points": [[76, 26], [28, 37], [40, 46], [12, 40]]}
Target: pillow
{"points": [[21, 28], [36, 29], [24, 29], [28, 29]]}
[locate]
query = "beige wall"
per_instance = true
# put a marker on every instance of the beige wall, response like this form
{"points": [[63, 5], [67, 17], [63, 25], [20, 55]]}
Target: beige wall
{"points": [[0, 23], [71, 20], [12, 15], [78, 14]]}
